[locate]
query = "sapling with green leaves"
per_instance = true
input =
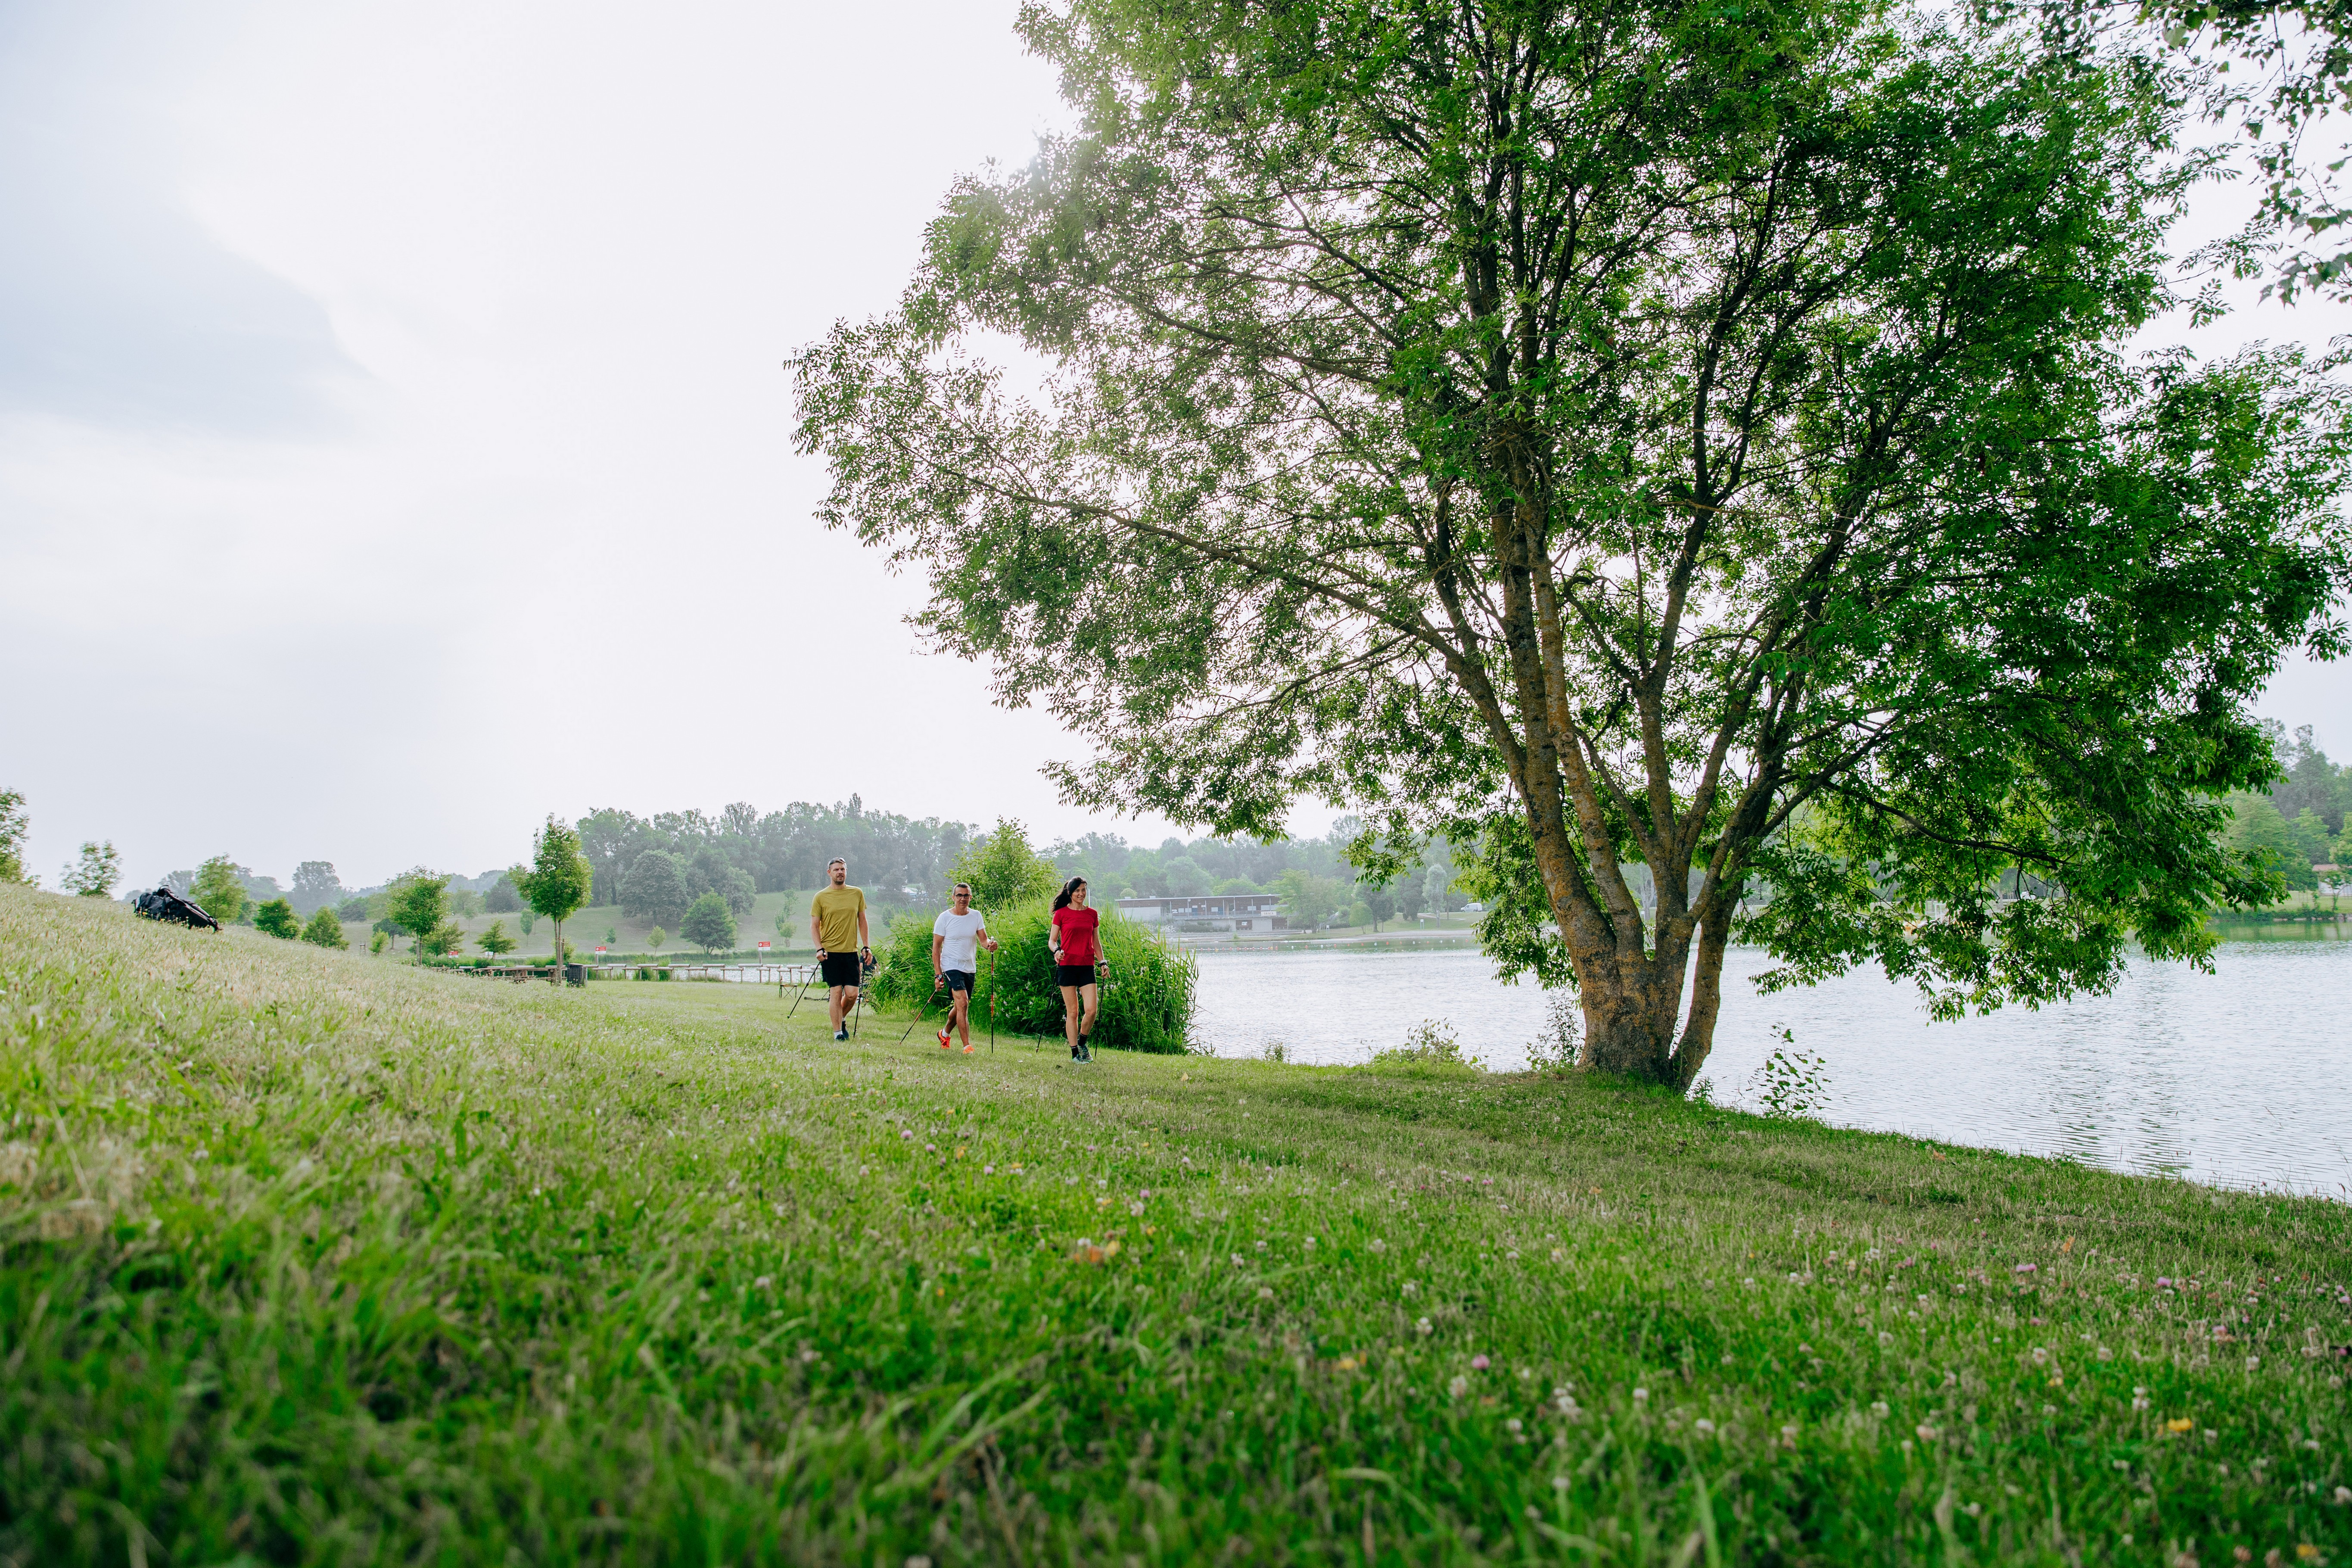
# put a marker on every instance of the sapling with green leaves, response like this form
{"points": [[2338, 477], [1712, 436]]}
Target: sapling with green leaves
{"points": [[495, 942], [558, 881], [276, 917], [14, 824], [325, 929], [419, 904], [92, 874], [219, 890]]}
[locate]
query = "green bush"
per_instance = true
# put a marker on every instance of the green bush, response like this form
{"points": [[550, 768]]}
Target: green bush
{"points": [[1146, 1005], [277, 919]]}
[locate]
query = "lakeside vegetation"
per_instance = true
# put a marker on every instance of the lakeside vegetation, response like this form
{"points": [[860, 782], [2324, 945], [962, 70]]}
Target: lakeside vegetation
{"points": [[307, 1259]]}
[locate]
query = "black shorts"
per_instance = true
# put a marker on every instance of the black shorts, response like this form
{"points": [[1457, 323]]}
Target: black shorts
{"points": [[1073, 975], [842, 969], [957, 980]]}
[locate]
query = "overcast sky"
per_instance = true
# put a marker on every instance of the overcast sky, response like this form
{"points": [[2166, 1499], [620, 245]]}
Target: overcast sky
{"points": [[393, 442]]}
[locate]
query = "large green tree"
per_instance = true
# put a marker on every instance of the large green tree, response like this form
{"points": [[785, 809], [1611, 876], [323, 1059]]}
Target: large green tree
{"points": [[1607, 434], [219, 890]]}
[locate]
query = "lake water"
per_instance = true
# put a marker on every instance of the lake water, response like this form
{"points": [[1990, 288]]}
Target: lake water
{"points": [[2238, 1078]]}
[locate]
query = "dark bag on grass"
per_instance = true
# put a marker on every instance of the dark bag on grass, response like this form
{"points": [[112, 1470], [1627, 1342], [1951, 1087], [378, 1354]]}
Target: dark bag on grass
{"points": [[164, 904]]}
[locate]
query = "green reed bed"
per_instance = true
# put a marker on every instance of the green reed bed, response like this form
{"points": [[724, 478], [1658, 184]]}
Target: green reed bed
{"points": [[311, 1259]]}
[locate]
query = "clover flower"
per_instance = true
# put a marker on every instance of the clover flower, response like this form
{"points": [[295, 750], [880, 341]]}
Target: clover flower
{"points": [[1458, 1387], [1411, 1288], [1878, 1408], [2040, 1356], [1479, 1364], [1641, 1397], [1703, 1426], [1420, 1326], [1886, 1340]]}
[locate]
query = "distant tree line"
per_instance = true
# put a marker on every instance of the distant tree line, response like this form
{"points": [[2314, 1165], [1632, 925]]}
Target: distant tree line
{"points": [[2301, 824]]}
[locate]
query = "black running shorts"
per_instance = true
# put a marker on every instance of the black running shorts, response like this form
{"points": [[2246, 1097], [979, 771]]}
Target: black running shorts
{"points": [[841, 969], [1073, 975], [957, 980]]}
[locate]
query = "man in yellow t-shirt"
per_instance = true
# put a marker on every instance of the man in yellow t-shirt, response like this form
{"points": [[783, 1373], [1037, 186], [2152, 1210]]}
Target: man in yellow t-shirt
{"points": [[838, 924]]}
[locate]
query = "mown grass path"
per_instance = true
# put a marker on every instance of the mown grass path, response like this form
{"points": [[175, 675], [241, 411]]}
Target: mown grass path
{"points": [[311, 1259]]}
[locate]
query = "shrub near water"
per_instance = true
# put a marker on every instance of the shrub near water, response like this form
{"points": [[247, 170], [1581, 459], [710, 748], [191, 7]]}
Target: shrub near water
{"points": [[1146, 1005]]}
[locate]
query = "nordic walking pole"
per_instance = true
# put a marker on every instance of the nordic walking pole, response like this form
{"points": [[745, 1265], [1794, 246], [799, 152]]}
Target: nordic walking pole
{"points": [[797, 995], [865, 974], [919, 1013], [992, 1001]]}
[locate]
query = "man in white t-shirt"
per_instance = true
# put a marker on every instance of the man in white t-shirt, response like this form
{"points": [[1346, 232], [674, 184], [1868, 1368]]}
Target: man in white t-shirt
{"points": [[957, 937]]}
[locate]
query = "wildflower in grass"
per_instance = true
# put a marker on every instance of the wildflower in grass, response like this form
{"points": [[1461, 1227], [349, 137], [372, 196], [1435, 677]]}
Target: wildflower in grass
{"points": [[1703, 1426], [1422, 1326], [1560, 1483], [2343, 1495], [1411, 1288], [1886, 1340], [1750, 1283], [1878, 1408], [1479, 1364], [2139, 1396], [2028, 1269], [1264, 1293], [1237, 1261], [2049, 1410], [1379, 1246], [1558, 1256], [2252, 1362], [1789, 1436], [1641, 1397], [2106, 1354], [1458, 1387], [1926, 1434], [988, 1169]]}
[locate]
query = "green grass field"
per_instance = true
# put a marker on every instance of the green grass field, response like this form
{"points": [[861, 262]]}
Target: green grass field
{"points": [[311, 1260]]}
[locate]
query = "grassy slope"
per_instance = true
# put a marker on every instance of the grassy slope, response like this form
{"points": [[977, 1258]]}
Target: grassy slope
{"points": [[319, 1261]]}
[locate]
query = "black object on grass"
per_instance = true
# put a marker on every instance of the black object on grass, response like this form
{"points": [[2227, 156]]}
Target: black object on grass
{"points": [[164, 904]]}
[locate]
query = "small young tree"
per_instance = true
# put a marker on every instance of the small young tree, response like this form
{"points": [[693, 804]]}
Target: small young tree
{"points": [[276, 918], [218, 890], [420, 902], [1004, 871], [443, 939], [13, 824], [377, 942], [709, 924], [325, 929], [558, 880], [495, 940], [655, 938], [94, 875]]}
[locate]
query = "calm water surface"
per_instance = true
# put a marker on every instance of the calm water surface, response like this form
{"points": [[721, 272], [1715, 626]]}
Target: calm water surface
{"points": [[2237, 1076]]}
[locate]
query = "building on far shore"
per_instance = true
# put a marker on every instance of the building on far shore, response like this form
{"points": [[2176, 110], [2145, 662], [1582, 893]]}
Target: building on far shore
{"points": [[1207, 911]]}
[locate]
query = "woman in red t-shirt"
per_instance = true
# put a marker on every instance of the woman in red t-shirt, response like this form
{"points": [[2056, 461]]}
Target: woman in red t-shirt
{"points": [[1077, 959]]}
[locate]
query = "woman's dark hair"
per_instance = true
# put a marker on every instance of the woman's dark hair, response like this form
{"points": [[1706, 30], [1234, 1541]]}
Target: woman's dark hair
{"points": [[1061, 899]]}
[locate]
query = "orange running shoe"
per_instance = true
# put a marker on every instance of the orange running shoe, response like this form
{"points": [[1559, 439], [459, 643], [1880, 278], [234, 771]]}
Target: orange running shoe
{"points": [[943, 1039]]}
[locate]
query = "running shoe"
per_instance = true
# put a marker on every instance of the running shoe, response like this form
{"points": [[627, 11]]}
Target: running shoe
{"points": [[840, 1033], [943, 1039]]}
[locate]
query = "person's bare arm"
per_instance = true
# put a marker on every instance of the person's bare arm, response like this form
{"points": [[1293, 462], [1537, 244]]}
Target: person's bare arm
{"points": [[865, 938], [817, 932], [987, 941], [938, 942]]}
